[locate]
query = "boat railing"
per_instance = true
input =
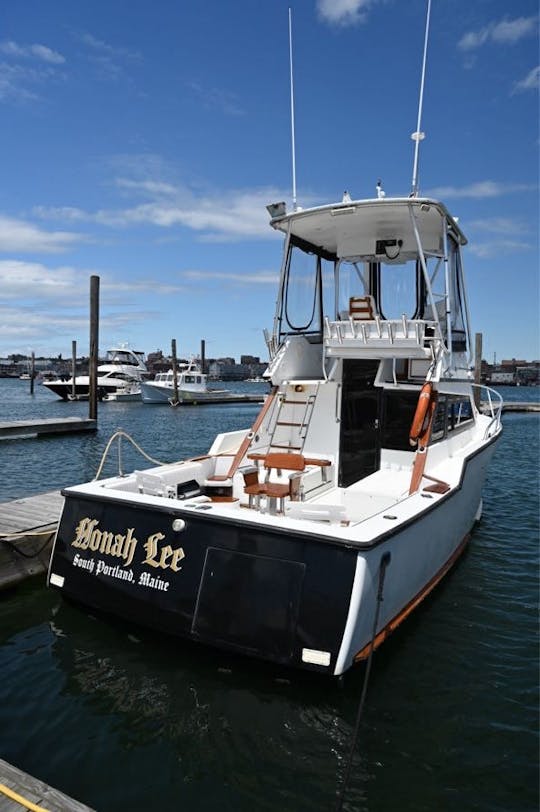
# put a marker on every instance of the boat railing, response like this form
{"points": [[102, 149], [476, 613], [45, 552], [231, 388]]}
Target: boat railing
{"points": [[387, 337], [490, 403]]}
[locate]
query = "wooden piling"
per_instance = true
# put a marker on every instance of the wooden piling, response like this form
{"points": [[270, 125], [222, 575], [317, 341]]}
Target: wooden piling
{"points": [[73, 369], [203, 358], [94, 348], [175, 369], [32, 371], [477, 367]]}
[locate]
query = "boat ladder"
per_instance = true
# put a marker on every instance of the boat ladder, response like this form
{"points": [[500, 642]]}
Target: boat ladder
{"points": [[294, 412]]}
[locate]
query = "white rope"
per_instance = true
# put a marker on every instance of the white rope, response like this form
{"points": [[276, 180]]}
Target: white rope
{"points": [[117, 435]]}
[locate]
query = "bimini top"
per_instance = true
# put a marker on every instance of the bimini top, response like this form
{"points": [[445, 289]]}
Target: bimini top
{"points": [[370, 229]]}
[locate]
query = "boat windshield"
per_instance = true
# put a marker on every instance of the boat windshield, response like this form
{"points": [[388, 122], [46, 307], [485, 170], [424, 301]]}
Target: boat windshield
{"points": [[123, 357], [396, 289], [307, 277]]}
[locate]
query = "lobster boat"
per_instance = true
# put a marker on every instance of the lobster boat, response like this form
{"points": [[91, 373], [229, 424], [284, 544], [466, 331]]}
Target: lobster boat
{"points": [[307, 538]]}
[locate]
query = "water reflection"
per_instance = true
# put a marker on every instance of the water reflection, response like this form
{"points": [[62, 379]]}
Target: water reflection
{"points": [[268, 739]]}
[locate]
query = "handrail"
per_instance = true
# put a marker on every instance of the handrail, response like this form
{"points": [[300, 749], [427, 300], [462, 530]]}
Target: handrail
{"points": [[494, 409]]}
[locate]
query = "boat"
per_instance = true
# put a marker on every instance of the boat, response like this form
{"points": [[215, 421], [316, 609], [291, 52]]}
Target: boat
{"points": [[122, 368], [190, 388], [306, 539], [130, 392], [367, 459]]}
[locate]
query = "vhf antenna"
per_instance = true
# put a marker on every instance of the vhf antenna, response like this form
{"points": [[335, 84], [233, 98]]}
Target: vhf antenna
{"points": [[292, 115], [419, 135]]}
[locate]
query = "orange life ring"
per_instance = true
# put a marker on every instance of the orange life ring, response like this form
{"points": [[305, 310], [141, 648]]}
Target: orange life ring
{"points": [[422, 413]]}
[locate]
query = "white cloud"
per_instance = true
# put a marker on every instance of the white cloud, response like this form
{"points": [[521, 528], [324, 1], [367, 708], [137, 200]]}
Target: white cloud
{"points": [[505, 32], [530, 82], [343, 12], [481, 189], [256, 278], [109, 60], [18, 235], [35, 51], [218, 216], [17, 80], [36, 281], [500, 225], [13, 79], [497, 247], [213, 98]]}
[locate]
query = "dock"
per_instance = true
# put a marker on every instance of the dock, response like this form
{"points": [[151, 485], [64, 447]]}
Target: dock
{"points": [[519, 406], [27, 528], [39, 428], [19, 791], [239, 397]]}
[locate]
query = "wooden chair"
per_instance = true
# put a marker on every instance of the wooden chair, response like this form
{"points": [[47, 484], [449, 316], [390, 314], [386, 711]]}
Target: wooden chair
{"points": [[274, 491], [278, 461], [362, 308]]}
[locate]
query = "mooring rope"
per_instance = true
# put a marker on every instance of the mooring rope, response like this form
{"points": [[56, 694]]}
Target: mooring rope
{"points": [[385, 561], [118, 434], [8, 541]]}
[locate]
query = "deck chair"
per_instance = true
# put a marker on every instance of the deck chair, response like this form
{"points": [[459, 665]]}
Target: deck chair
{"points": [[271, 490], [362, 308]]}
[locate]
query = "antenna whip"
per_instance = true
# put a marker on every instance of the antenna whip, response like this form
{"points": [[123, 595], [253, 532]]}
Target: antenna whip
{"points": [[292, 115], [419, 135]]}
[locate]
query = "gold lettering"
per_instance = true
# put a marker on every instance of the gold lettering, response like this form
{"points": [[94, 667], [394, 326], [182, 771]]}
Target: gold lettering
{"points": [[130, 545], [83, 533], [178, 555], [150, 545], [169, 558], [88, 536]]}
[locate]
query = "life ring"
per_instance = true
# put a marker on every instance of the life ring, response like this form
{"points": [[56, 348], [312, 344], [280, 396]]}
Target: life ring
{"points": [[422, 414]]}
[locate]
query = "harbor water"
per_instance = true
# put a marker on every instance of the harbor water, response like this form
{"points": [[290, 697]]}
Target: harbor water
{"points": [[122, 718]]}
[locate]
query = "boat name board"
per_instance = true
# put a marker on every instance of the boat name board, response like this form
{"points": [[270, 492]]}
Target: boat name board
{"points": [[123, 546]]}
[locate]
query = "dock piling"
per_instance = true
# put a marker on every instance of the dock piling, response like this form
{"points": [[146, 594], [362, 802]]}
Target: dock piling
{"points": [[94, 344]]}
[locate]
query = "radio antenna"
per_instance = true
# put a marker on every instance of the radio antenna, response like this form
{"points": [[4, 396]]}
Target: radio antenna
{"points": [[293, 148], [419, 135]]}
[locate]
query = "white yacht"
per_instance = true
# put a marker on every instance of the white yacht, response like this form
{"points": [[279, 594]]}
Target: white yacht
{"points": [[123, 366]]}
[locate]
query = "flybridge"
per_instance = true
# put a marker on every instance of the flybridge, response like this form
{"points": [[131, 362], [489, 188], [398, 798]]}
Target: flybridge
{"points": [[378, 278]]}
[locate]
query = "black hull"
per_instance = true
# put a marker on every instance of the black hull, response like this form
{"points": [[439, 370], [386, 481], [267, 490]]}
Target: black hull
{"points": [[65, 390], [249, 590]]}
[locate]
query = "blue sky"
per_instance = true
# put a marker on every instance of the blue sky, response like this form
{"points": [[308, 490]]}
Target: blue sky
{"points": [[141, 141]]}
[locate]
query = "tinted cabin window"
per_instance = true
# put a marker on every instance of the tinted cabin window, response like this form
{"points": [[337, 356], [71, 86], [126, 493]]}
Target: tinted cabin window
{"points": [[459, 411], [359, 450], [399, 408]]}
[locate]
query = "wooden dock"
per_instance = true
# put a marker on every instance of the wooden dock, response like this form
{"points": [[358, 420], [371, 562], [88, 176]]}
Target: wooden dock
{"points": [[27, 527], [19, 791], [519, 406], [39, 428]]}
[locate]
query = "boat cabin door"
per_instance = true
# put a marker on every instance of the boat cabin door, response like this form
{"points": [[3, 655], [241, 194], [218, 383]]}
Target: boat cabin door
{"points": [[360, 433]]}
